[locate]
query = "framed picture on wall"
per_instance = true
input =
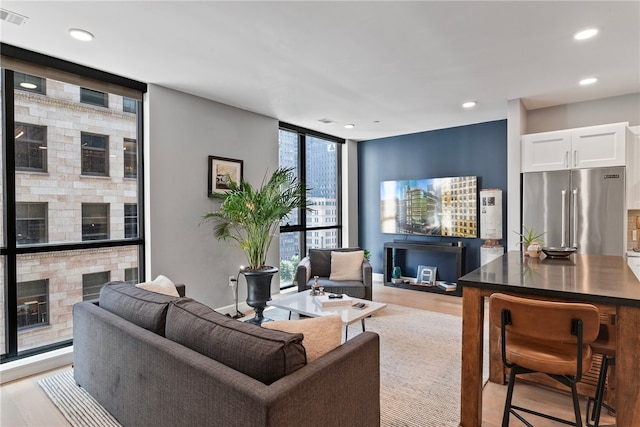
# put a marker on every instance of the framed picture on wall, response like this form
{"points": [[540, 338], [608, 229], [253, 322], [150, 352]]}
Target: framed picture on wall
{"points": [[222, 170]]}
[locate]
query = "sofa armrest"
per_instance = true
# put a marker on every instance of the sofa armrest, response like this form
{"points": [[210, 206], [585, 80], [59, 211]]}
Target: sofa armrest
{"points": [[303, 273], [367, 279], [341, 388]]}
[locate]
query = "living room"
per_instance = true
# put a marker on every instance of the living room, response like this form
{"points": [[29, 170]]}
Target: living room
{"points": [[182, 130]]}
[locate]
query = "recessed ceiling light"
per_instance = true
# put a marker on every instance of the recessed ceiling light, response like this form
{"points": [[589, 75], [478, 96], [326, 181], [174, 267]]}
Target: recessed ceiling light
{"points": [[27, 85], [588, 81], [79, 34], [585, 34], [469, 104], [349, 126]]}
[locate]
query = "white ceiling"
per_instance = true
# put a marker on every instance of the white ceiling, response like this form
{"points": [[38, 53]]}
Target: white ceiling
{"points": [[390, 68]]}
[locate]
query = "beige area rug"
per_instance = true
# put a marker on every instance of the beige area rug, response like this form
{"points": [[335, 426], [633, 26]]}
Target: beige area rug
{"points": [[420, 371]]}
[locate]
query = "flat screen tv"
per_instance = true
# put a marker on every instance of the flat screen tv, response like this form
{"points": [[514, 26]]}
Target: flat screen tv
{"points": [[431, 207]]}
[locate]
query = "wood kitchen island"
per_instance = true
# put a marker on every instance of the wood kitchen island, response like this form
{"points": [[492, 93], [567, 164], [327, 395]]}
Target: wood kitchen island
{"points": [[605, 281]]}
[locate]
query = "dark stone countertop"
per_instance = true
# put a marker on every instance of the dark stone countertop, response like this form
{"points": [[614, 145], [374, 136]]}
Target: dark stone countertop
{"points": [[594, 278]]}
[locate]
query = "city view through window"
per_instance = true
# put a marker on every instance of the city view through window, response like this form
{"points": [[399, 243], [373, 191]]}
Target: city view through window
{"points": [[316, 160], [76, 181]]}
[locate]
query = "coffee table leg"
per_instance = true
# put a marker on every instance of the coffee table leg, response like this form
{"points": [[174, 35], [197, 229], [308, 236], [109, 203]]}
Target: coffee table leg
{"points": [[289, 315], [346, 332], [362, 324]]}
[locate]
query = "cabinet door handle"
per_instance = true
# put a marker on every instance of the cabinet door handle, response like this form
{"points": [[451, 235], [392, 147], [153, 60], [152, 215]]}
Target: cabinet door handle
{"points": [[566, 159], [575, 158]]}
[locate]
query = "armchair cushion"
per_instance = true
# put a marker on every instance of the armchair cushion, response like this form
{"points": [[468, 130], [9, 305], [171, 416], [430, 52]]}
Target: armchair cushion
{"points": [[346, 265]]}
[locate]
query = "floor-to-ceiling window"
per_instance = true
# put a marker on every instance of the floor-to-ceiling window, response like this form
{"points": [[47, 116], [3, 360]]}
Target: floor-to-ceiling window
{"points": [[315, 157], [70, 194]]}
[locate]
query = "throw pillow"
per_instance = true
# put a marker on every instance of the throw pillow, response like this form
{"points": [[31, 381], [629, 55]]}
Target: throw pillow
{"points": [[346, 265], [321, 334], [160, 285]]}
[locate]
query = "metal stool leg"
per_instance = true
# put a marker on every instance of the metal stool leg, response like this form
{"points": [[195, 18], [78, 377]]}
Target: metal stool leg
{"points": [[598, 399], [507, 404]]}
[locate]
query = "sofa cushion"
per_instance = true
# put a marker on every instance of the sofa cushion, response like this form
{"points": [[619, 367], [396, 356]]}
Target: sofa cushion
{"points": [[320, 262], [321, 334], [161, 285], [346, 265], [138, 306], [264, 354]]}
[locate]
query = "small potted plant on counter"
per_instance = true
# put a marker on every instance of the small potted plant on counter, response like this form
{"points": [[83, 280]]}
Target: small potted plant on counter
{"points": [[531, 242]]}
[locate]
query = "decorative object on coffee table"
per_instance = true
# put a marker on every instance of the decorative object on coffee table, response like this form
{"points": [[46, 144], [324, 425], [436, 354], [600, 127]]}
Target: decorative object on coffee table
{"points": [[251, 217]]}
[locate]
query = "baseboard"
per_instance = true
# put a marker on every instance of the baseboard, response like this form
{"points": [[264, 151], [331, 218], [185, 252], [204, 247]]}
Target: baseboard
{"points": [[37, 364], [377, 277]]}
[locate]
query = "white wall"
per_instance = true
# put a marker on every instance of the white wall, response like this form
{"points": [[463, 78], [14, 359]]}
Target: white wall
{"points": [[624, 108], [181, 131]]}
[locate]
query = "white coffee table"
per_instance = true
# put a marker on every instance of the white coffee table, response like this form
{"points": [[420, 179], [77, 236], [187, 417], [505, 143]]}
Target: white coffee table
{"points": [[303, 303]]}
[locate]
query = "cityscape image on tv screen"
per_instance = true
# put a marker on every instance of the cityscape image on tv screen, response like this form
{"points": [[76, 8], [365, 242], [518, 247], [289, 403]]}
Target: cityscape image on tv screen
{"points": [[432, 207]]}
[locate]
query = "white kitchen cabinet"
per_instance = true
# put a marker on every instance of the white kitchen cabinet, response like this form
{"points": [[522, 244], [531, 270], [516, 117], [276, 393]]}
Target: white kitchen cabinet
{"points": [[545, 151], [633, 168], [580, 148]]}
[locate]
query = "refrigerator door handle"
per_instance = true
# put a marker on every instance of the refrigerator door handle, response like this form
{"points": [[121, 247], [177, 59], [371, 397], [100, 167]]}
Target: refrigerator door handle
{"points": [[563, 218], [575, 218]]}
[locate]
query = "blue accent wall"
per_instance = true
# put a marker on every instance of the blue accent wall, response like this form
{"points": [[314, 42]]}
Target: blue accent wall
{"points": [[477, 150]]}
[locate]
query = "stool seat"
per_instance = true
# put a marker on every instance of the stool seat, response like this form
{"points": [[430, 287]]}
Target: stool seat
{"points": [[549, 337], [550, 358]]}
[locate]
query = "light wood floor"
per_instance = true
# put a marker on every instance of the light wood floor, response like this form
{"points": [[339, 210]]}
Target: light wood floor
{"points": [[25, 404]]}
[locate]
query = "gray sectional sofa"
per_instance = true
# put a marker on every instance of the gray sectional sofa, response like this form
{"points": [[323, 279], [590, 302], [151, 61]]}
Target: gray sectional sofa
{"points": [[152, 359]]}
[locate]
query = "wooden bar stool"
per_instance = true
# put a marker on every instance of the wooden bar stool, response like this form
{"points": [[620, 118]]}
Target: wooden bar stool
{"points": [[547, 337]]}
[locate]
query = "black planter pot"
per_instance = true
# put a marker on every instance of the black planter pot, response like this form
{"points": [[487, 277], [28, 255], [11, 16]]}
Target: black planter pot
{"points": [[259, 291]]}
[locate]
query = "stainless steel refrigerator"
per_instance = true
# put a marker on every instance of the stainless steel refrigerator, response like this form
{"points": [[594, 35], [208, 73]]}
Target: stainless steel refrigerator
{"points": [[582, 208]]}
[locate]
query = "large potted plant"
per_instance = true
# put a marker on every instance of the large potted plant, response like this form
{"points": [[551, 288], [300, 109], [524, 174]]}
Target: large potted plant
{"points": [[250, 217]]}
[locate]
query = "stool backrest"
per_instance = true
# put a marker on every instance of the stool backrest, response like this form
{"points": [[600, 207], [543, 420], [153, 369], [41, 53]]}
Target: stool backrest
{"points": [[545, 320]]}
